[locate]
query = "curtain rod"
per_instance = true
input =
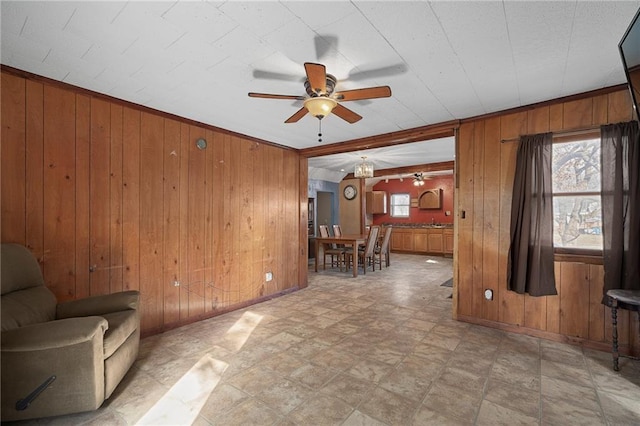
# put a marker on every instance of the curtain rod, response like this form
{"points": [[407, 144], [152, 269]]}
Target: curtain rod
{"points": [[563, 133]]}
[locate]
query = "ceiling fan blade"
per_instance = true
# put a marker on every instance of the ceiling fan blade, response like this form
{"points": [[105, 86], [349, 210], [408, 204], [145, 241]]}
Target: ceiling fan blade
{"points": [[271, 96], [297, 116], [346, 114], [317, 76], [366, 93]]}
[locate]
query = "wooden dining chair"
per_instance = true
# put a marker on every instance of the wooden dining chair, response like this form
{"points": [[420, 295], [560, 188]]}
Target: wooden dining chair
{"points": [[336, 253], [337, 231], [368, 254], [383, 248]]}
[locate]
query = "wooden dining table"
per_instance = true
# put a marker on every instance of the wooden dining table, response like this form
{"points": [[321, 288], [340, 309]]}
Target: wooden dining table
{"points": [[353, 240]]}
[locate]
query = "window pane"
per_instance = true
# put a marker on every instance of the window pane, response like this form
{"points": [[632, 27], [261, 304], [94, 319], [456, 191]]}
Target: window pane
{"points": [[576, 166], [577, 222], [400, 211], [400, 205], [400, 199]]}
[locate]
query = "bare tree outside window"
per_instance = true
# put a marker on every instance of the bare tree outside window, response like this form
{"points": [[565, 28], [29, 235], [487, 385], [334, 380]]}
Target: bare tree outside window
{"points": [[576, 194]]}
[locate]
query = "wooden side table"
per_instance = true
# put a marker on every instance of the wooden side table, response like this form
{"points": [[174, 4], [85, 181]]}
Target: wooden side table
{"points": [[623, 299]]}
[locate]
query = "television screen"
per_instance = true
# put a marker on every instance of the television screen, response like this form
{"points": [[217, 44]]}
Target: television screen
{"points": [[630, 52]]}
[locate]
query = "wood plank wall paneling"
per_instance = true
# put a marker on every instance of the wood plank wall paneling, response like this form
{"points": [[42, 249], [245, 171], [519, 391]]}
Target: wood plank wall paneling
{"points": [[492, 219], [13, 147], [303, 245], [100, 198], [486, 167], [195, 246], [112, 197], [34, 184], [465, 223], [59, 191], [131, 200], [171, 215], [478, 219], [83, 198], [115, 207]]}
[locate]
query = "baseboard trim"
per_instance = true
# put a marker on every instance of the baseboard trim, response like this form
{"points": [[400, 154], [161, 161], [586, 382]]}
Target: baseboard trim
{"points": [[217, 312], [625, 349]]}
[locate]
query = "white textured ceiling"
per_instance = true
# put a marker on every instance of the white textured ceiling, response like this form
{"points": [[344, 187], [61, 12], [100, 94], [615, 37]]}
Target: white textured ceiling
{"points": [[442, 60]]}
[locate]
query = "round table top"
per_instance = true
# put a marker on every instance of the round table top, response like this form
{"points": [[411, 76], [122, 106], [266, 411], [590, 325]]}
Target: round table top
{"points": [[628, 297]]}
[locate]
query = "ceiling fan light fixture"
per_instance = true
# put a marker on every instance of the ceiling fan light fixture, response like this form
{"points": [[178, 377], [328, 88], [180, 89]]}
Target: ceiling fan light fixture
{"points": [[320, 106], [364, 169], [418, 179]]}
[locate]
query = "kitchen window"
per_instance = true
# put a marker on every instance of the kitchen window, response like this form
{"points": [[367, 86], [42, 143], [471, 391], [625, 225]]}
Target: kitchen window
{"points": [[577, 217], [400, 204]]}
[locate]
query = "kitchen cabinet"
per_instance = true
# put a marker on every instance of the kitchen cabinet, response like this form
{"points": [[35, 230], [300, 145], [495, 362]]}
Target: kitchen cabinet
{"points": [[421, 240], [402, 240], [437, 241], [376, 202], [430, 199], [448, 241]]}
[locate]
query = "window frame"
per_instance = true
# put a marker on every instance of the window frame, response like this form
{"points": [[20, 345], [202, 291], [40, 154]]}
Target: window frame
{"points": [[392, 205], [575, 254]]}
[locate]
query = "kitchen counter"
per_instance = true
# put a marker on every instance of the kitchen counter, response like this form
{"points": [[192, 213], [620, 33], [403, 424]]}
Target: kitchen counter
{"points": [[420, 225]]}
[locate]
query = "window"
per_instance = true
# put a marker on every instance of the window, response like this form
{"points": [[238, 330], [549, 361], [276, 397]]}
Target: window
{"points": [[577, 218], [400, 204]]}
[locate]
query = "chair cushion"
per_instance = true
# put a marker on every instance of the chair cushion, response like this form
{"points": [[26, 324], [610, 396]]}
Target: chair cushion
{"points": [[25, 307], [121, 325]]}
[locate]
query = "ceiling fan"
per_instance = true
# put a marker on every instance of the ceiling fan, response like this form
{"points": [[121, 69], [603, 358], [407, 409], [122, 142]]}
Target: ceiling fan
{"points": [[321, 99]]}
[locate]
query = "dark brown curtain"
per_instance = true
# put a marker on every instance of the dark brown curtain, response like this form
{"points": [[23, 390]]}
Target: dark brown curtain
{"points": [[530, 266], [621, 206]]}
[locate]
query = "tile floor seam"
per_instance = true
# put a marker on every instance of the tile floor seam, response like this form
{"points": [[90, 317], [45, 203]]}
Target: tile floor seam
{"points": [[435, 379], [488, 378], [595, 389], [372, 390], [540, 412]]}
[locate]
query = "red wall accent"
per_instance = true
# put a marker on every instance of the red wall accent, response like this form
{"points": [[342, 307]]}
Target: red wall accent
{"points": [[417, 215]]}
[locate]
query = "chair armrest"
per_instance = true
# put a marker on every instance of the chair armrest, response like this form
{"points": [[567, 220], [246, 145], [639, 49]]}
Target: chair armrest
{"points": [[53, 334], [99, 305], [71, 349]]}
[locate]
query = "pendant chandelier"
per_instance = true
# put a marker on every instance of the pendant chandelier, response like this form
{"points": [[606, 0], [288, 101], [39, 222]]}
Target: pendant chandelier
{"points": [[364, 169]]}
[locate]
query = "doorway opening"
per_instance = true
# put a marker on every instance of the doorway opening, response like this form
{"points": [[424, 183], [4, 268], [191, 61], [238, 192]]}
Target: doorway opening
{"points": [[325, 210]]}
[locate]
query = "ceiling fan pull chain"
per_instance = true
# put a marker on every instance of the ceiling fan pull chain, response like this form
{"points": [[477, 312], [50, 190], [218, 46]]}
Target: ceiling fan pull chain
{"points": [[319, 130]]}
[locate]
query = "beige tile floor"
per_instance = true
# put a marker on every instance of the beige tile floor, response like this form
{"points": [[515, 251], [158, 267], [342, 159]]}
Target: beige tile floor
{"points": [[380, 349]]}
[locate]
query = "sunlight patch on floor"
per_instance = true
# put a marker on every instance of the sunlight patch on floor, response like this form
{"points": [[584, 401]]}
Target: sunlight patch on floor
{"points": [[431, 261], [183, 402], [181, 405], [239, 332]]}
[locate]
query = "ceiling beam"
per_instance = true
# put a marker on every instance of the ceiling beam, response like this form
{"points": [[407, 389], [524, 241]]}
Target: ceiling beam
{"points": [[419, 168], [417, 134]]}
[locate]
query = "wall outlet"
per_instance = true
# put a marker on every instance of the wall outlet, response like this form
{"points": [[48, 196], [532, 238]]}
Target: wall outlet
{"points": [[488, 294], [268, 276], [176, 283]]}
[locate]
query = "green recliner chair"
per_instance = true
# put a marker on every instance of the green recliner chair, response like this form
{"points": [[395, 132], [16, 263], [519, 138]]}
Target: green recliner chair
{"points": [[60, 358]]}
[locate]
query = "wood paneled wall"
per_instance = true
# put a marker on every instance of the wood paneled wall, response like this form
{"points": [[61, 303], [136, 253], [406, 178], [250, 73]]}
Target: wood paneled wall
{"points": [[111, 197], [352, 212], [485, 170]]}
